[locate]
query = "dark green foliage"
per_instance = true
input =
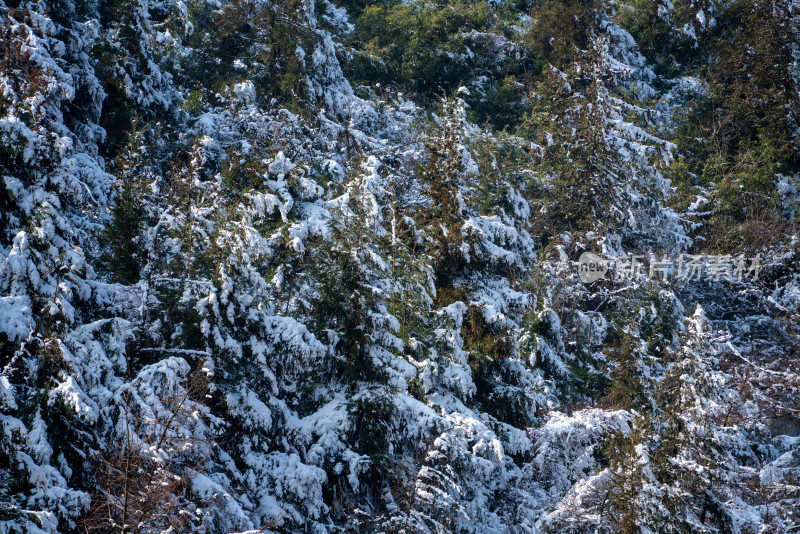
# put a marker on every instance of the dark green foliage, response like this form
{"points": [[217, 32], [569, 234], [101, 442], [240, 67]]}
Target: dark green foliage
{"points": [[420, 44], [626, 495], [124, 257], [442, 176], [497, 392], [659, 34], [627, 390], [429, 47], [249, 40], [645, 331], [578, 195], [344, 305], [136, 86], [745, 122], [562, 29]]}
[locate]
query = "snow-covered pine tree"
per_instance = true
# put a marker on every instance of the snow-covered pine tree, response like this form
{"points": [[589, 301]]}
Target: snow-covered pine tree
{"points": [[691, 457], [675, 471], [54, 189]]}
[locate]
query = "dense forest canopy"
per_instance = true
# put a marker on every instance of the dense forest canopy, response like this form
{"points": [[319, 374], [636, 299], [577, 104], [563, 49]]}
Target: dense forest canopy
{"points": [[321, 266]]}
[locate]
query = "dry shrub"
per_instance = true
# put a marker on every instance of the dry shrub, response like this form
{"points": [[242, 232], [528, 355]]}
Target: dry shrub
{"points": [[143, 476]]}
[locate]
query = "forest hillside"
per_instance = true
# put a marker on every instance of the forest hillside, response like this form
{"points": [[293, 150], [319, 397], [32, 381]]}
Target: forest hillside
{"points": [[402, 266]]}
